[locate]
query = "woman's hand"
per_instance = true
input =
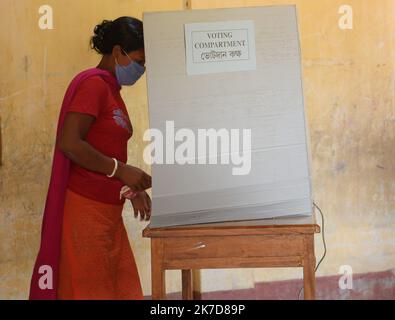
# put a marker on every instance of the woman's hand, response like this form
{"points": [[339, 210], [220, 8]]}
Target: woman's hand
{"points": [[135, 178], [142, 205]]}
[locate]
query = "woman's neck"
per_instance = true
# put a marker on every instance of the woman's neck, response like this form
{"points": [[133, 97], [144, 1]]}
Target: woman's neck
{"points": [[107, 63]]}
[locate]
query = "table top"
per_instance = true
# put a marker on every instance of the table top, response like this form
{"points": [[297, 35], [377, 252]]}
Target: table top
{"points": [[284, 225]]}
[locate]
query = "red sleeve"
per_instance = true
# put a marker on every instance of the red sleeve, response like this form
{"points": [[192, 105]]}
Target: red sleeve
{"points": [[90, 97]]}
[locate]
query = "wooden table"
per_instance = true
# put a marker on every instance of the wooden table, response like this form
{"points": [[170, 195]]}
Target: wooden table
{"points": [[281, 242]]}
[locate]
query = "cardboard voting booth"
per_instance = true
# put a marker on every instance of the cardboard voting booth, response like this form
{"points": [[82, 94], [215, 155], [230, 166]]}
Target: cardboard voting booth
{"points": [[225, 96]]}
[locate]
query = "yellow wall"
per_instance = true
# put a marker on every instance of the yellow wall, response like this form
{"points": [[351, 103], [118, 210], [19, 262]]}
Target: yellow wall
{"points": [[36, 67], [349, 82], [349, 87]]}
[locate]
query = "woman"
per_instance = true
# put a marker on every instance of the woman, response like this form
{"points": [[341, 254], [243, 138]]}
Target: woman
{"points": [[85, 252]]}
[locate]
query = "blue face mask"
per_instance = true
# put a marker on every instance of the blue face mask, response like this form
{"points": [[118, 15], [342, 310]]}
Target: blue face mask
{"points": [[128, 75]]}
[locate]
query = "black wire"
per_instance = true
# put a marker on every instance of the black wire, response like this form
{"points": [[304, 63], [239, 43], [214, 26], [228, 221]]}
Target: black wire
{"points": [[323, 241]]}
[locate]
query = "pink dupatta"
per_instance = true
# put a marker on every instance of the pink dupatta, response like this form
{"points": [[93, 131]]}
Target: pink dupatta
{"points": [[49, 253]]}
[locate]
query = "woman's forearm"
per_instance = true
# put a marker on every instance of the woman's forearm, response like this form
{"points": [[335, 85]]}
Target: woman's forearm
{"points": [[73, 144], [86, 156]]}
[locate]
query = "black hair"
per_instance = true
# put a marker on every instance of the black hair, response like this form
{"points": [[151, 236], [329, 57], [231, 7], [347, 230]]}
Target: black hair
{"points": [[126, 32]]}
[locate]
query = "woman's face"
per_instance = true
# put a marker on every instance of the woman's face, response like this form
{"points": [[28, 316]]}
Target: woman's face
{"points": [[123, 59], [138, 56]]}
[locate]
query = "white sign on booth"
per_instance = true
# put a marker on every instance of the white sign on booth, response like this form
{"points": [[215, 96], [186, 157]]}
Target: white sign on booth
{"points": [[220, 47]]}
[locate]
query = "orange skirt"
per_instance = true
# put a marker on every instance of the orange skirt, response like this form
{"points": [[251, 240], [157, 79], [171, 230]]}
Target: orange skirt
{"points": [[96, 260]]}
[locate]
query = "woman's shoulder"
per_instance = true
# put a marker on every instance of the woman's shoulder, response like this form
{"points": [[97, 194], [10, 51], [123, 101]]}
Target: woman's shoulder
{"points": [[96, 80], [94, 83], [91, 82], [91, 93], [94, 77]]}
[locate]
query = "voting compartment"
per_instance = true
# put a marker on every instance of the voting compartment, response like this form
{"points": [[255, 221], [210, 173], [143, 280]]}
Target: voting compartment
{"points": [[225, 102]]}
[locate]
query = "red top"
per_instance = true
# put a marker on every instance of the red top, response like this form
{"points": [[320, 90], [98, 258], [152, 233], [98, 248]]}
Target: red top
{"points": [[108, 134]]}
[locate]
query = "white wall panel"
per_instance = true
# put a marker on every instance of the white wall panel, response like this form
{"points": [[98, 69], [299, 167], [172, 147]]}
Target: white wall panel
{"points": [[268, 100]]}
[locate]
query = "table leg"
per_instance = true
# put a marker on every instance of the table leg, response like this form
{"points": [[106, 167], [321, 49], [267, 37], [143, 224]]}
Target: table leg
{"points": [[309, 268], [157, 270], [196, 280], [187, 285]]}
